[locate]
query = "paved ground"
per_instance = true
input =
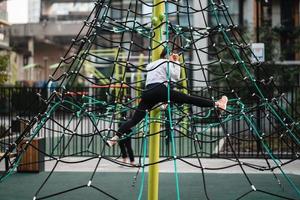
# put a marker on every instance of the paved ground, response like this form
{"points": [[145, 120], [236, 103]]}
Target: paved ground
{"points": [[222, 184], [168, 167], [73, 186], [182, 167]]}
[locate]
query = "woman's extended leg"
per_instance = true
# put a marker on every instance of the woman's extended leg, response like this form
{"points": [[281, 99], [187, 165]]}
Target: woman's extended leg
{"points": [[178, 97], [138, 115]]}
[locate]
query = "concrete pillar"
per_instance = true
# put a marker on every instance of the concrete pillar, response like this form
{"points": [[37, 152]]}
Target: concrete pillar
{"points": [[13, 64], [34, 11], [199, 22], [276, 13], [45, 7], [46, 68], [249, 17], [276, 21], [30, 75]]}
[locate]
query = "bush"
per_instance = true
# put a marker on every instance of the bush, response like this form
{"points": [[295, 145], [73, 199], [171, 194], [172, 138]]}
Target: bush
{"points": [[4, 60]]}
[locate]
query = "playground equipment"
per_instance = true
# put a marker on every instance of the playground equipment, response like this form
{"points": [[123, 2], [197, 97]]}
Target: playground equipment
{"points": [[164, 27]]}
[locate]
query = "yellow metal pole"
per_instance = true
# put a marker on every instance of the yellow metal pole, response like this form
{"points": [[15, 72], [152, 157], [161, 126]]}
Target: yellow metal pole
{"points": [[154, 141], [183, 76], [139, 76], [185, 91], [123, 78], [117, 73]]}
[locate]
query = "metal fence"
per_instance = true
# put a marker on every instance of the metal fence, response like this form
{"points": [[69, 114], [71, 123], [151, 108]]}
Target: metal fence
{"points": [[27, 102]]}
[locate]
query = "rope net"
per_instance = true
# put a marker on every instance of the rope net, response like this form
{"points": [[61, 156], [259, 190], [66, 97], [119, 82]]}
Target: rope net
{"points": [[116, 39]]}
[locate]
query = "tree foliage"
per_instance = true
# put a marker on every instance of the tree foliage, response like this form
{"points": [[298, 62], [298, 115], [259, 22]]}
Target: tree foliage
{"points": [[4, 61]]}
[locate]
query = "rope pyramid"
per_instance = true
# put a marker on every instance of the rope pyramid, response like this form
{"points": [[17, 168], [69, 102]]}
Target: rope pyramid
{"points": [[101, 112]]}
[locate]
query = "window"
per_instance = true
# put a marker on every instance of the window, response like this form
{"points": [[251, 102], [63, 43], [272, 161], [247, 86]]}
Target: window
{"points": [[233, 9]]}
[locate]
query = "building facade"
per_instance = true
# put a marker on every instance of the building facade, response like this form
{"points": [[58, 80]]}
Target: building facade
{"points": [[34, 11], [4, 36], [5, 71], [44, 39], [52, 25]]}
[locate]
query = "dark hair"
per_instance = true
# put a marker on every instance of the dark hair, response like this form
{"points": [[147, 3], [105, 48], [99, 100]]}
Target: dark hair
{"points": [[163, 52]]}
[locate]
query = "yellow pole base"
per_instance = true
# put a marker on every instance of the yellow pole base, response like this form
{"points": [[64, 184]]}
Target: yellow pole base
{"points": [[154, 142]]}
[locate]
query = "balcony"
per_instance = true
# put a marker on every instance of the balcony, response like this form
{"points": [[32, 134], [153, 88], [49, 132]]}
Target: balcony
{"points": [[53, 29], [72, 16], [65, 10], [3, 19], [66, 1], [4, 36], [4, 40], [3, 15]]}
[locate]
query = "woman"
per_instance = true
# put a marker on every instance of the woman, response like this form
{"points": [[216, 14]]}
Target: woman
{"points": [[157, 92]]}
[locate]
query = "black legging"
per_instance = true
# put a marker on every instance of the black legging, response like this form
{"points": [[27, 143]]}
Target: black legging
{"points": [[126, 149], [154, 94]]}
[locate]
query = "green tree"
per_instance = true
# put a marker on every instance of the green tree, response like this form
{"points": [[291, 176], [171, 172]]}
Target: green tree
{"points": [[4, 60]]}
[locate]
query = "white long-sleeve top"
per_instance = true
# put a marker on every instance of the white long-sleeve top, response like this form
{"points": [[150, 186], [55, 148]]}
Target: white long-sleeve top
{"points": [[157, 71]]}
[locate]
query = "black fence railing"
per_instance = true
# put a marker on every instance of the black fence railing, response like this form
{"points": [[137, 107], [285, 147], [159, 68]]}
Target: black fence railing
{"points": [[27, 103]]}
